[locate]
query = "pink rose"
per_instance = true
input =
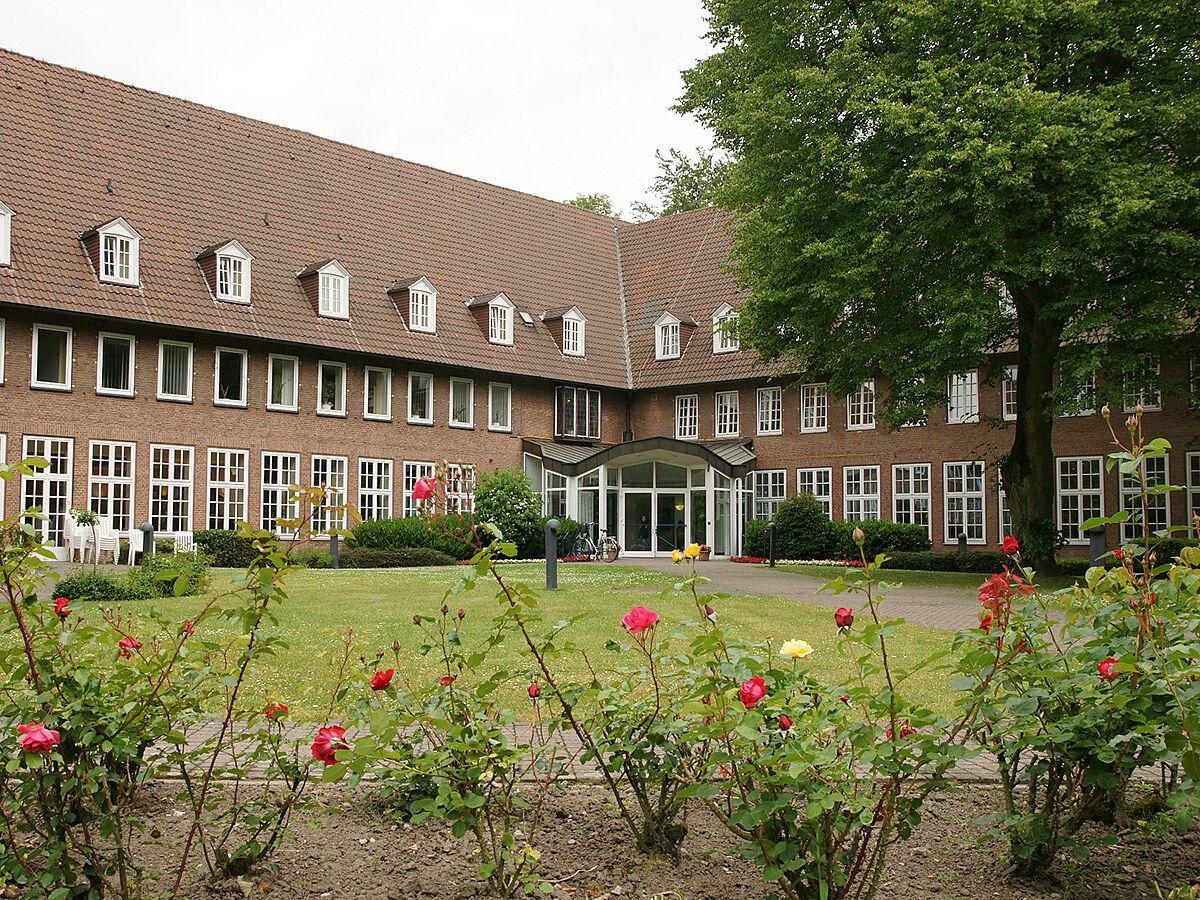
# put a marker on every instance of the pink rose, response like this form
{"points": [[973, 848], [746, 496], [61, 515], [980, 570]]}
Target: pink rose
{"points": [[639, 619], [844, 617], [752, 691], [905, 729], [423, 489], [37, 738], [328, 742]]}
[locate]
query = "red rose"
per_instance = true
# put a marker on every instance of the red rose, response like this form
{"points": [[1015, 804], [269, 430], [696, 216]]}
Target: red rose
{"points": [[639, 619], [1010, 545], [1106, 666], [752, 691], [276, 711], [905, 729], [37, 738], [845, 698], [710, 613], [1119, 555], [985, 622], [534, 691], [382, 680], [784, 723], [994, 592], [844, 617], [446, 680], [127, 645], [60, 607], [188, 629], [328, 742]]}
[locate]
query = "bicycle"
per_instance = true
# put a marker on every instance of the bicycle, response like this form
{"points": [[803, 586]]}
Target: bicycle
{"points": [[606, 548], [609, 549]]}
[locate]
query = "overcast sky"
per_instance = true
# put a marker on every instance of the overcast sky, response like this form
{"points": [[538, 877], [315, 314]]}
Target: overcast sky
{"points": [[554, 98]]}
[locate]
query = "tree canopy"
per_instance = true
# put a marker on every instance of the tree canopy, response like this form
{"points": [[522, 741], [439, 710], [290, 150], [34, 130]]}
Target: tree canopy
{"points": [[599, 203], [683, 183]]}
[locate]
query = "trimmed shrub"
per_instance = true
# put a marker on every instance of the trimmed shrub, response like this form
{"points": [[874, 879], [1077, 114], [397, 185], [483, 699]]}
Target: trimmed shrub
{"points": [[506, 498], [374, 558], [801, 529], [756, 539], [98, 587], [226, 549], [986, 562], [922, 562], [881, 537], [146, 579], [310, 558], [452, 534]]}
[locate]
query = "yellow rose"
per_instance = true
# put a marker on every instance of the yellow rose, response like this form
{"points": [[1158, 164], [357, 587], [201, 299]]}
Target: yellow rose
{"points": [[693, 550], [796, 649], [676, 556]]}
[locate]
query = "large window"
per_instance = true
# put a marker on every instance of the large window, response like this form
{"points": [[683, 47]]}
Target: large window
{"points": [[282, 380], [1008, 394], [229, 385], [770, 488], [1141, 385], [51, 358], [860, 493], [110, 482], [420, 398], [1080, 495], [114, 365], [414, 472], [963, 398], [911, 495], [174, 371], [329, 472], [170, 489], [279, 472], [374, 489], [377, 402], [814, 408], [50, 488], [770, 410], [687, 417], [228, 471], [331, 381], [462, 403], [460, 488], [727, 414], [860, 407], [1157, 513], [499, 407], [962, 492], [1193, 489], [819, 483], [556, 494], [577, 412]]}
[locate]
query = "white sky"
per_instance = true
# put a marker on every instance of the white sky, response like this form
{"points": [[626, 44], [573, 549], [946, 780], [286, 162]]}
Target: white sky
{"points": [[554, 98]]}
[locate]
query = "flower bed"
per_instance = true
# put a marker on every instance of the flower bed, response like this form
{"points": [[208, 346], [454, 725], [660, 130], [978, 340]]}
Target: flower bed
{"points": [[849, 563]]}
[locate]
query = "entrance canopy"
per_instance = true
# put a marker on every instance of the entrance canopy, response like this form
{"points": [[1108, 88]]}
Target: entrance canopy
{"points": [[733, 459]]}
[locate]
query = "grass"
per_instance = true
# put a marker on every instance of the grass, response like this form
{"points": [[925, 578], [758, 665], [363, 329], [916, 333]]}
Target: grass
{"points": [[379, 604], [922, 578]]}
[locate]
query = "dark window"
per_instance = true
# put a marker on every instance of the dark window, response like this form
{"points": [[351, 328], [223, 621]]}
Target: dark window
{"points": [[577, 413]]}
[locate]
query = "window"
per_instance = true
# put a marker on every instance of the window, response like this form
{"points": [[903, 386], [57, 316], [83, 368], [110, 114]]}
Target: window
{"points": [[1006, 528], [1008, 394], [233, 273], [51, 488], [727, 414], [577, 413], [110, 482], [333, 291], [6, 215], [422, 307], [572, 335], [770, 410], [819, 483], [963, 398], [331, 380], [1080, 495], [1193, 489], [499, 407], [374, 489], [770, 487], [1156, 516], [174, 371], [114, 365], [860, 493], [420, 398], [860, 408], [668, 340], [1084, 402], [329, 472], [414, 472], [814, 408], [500, 316], [119, 251], [377, 402], [227, 477], [281, 383], [229, 385], [687, 417], [460, 488], [51, 358], [555, 494], [170, 489], [1141, 385], [911, 495], [462, 403], [962, 490], [279, 472], [725, 337]]}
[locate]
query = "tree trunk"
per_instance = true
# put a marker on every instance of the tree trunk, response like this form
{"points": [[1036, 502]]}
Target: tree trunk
{"points": [[1028, 470]]}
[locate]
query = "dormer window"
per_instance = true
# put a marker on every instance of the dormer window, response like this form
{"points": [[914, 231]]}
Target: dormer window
{"points": [[420, 310], [725, 339], [233, 273], [118, 252], [500, 320], [416, 301], [6, 215], [666, 345], [572, 340], [330, 283]]}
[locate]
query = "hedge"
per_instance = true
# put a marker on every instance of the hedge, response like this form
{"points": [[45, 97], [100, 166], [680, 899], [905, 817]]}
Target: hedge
{"points": [[226, 549], [373, 558], [452, 534]]}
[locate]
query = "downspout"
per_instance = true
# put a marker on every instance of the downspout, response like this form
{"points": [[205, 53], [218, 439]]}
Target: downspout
{"points": [[628, 434]]}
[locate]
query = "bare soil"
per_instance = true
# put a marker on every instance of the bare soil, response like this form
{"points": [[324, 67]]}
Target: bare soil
{"points": [[352, 849]]}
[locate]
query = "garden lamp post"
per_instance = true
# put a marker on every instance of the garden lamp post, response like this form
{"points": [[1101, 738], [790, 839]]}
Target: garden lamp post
{"points": [[552, 554]]}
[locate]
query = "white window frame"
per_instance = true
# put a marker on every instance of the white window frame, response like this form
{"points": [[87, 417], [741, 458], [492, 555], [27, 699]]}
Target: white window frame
{"points": [[1008, 394], [460, 488], [858, 503], [593, 423], [294, 406], [55, 506], [687, 417], [1085, 399], [1004, 520], [727, 414], [860, 407], [386, 415], [770, 489], [666, 337], [338, 411], [962, 398], [421, 294], [224, 493], [120, 488], [371, 473], [218, 400], [906, 503], [1062, 471], [6, 215], [231, 254], [332, 473], [492, 426], [811, 481], [421, 420], [774, 411], [118, 230], [278, 493], [500, 321], [1192, 461], [174, 483], [1131, 530], [329, 304], [965, 495], [191, 366], [469, 422], [100, 388], [1138, 396], [414, 471], [69, 351], [573, 325], [725, 320], [814, 408]]}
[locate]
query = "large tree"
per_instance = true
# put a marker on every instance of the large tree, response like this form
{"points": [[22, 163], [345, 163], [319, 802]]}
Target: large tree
{"points": [[683, 183], [917, 182]]}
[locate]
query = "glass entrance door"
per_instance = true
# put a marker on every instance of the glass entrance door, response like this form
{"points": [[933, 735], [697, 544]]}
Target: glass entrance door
{"points": [[671, 522], [639, 525]]}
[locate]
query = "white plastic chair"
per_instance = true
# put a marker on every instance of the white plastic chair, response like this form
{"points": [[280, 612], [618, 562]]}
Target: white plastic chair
{"points": [[78, 538], [185, 542], [136, 539], [107, 540]]}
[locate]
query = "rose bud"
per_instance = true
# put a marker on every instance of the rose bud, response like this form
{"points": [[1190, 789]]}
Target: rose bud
{"points": [[844, 617], [445, 609], [710, 613], [784, 723], [1105, 411], [395, 646], [859, 536], [416, 620], [534, 691], [462, 613], [1119, 555], [60, 607], [379, 654]]}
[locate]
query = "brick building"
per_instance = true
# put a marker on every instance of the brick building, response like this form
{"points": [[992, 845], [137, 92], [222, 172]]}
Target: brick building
{"points": [[198, 309]]}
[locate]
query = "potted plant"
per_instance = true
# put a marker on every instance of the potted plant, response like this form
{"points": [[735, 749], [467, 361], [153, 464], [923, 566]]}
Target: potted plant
{"points": [[705, 551]]}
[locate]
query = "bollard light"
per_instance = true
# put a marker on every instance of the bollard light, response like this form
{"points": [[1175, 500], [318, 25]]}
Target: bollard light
{"points": [[1097, 544], [552, 526], [770, 532], [333, 550]]}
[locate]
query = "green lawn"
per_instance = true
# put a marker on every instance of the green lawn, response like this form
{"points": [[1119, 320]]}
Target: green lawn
{"points": [[379, 605], [921, 578]]}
